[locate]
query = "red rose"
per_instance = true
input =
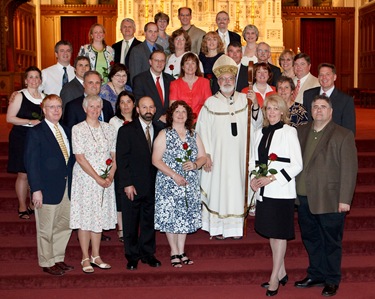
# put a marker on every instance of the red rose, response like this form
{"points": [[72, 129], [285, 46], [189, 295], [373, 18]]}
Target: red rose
{"points": [[112, 63], [108, 162], [171, 67], [209, 76], [126, 122], [185, 146], [272, 157]]}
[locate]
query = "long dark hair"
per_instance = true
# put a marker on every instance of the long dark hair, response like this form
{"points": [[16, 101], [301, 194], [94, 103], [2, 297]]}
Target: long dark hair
{"points": [[189, 114], [117, 105]]}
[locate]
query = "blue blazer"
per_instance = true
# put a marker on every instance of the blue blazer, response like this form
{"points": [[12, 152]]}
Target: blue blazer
{"points": [[45, 163]]}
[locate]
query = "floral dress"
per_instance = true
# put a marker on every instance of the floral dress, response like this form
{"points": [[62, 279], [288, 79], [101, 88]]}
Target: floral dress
{"points": [[178, 208], [93, 208]]}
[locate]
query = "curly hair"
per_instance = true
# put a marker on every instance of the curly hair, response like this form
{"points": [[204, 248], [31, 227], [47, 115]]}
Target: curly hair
{"points": [[176, 34], [212, 34], [189, 114]]}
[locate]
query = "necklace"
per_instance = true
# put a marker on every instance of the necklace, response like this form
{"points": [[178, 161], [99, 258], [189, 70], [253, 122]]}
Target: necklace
{"points": [[92, 134], [114, 87]]}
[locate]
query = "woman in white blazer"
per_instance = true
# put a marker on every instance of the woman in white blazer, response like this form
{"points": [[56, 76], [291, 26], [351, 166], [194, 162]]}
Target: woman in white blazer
{"points": [[275, 193]]}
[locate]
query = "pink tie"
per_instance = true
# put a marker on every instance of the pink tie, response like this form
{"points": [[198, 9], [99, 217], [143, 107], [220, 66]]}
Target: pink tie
{"points": [[160, 91]]}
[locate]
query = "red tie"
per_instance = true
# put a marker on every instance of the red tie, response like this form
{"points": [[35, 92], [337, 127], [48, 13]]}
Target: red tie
{"points": [[160, 91]]}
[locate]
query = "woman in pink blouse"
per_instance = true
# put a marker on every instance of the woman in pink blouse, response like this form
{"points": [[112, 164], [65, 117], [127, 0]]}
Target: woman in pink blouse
{"points": [[190, 87]]}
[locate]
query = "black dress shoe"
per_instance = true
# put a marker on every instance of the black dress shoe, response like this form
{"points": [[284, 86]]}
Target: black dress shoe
{"points": [[270, 293], [330, 290], [54, 270], [151, 261], [282, 281], [308, 283], [105, 238], [132, 265], [64, 266]]}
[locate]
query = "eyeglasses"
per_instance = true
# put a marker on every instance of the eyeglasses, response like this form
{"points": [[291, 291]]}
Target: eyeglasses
{"points": [[263, 51], [120, 76], [226, 79], [54, 107]]}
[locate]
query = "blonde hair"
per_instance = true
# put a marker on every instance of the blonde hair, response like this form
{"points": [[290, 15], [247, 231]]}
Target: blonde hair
{"points": [[280, 103], [92, 30]]}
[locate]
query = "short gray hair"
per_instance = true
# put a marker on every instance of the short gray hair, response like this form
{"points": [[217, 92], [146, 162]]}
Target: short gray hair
{"points": [[93, 98]]}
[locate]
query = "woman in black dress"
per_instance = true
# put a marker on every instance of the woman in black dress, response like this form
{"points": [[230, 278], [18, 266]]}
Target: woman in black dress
{"points": [[277, 146], [24, 112]]}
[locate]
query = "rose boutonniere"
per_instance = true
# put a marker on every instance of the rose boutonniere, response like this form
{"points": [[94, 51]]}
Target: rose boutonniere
{"points": [[262, 171], [183, 160], [125, 122], [105, 173], [171, 67]]}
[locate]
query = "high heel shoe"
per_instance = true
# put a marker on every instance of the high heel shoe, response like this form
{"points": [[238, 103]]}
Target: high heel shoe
{"points": [[282, 281], [270, 293]]}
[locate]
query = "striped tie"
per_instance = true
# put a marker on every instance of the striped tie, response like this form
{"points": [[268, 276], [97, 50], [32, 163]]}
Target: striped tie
{"points": [[148, 137], [61, 143]]}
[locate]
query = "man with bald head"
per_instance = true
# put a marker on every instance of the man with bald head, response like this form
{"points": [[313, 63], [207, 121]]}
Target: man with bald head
{"points": [[137, 185]]}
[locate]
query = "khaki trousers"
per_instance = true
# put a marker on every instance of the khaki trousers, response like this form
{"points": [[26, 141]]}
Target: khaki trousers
{"points": [[53, 232]]}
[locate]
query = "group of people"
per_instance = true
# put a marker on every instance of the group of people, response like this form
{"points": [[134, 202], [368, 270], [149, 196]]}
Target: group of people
{"points": [[158, 141]]}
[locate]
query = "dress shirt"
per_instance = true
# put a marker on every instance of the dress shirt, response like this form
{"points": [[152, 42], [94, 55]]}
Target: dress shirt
{"points": [[328, 92], [123, 47], [161, 81], [52, 78], [151, 129], [52, 127], [302, 80]]}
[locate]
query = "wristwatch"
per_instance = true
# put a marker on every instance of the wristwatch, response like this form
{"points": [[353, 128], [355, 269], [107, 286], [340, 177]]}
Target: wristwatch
{"points": [[270, 177], [29, 123]]}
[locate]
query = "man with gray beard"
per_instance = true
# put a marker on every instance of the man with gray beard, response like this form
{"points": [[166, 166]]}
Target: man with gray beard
{"points": [[222, 125]]}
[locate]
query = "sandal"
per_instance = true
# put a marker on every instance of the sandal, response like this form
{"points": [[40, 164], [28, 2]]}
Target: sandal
{"points": [[120, 236], [220, 237], [176, 264], [30, 211], [103, 266], [87, 269], [187, 261], [23, 215]]}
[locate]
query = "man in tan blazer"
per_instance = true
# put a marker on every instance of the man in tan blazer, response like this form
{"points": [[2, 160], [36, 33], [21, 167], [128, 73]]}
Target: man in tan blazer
{"points": [[325, 189], [303, 79]]}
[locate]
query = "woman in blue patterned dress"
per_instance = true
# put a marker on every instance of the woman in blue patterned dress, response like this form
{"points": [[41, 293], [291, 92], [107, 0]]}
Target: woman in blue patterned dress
{"points": [[285, 88], [178, 154]]}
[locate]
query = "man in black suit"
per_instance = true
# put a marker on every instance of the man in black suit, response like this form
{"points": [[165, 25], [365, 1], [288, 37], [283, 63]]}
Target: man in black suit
{"points": [[235, 52], [342, 104], [263, 53], [74, 112], [49, 161], [124, 47], [137, 185], [145, 84], [74, 88], [138, 61], [222, 21]]}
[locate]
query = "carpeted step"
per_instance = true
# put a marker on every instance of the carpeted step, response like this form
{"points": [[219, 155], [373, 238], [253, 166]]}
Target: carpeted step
{"points": [[4, 148], [3, 164], [366, 160], [240, 270], [366, 176], [198, 246], [365, 145], [7, 181]]}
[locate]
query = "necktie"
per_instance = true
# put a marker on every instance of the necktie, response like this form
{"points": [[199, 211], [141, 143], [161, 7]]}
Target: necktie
{"points": [[224, 42], [297, 88], [324, 94], [148, 137], [126, 48], [154, 49], [160, 91], [65, 77], [61, 143]]}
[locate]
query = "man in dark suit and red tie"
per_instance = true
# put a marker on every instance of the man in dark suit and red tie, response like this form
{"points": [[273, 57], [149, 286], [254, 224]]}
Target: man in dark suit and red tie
{"points": [[155, 83], [137, 185], [49, 162]]}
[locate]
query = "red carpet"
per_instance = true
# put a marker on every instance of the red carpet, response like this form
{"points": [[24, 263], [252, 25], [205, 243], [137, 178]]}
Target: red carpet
{"points": [[222, 269]]}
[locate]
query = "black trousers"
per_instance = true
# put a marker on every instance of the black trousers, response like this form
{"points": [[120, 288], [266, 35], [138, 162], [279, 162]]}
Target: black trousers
{"points": [[322, 236], [138, 226]]}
